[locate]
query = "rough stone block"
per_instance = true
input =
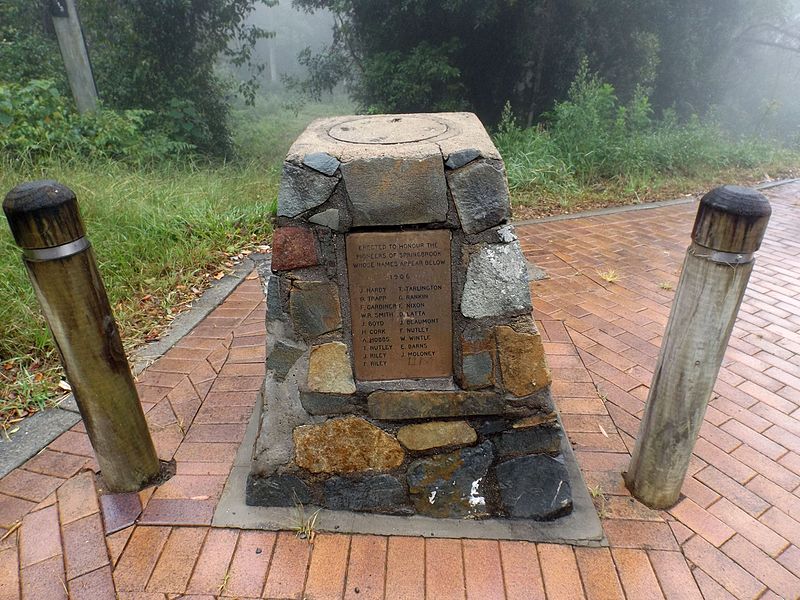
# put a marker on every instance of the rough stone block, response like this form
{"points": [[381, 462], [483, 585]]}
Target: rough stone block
{"points": [[396, 191], [314, 308], [283, 357], [497, 283], [327, 218], [451, 485], [535, 420], [534, 487], [327, 404], [436, 434], [418, 404], [522, 361], [459, 158], [293, 248], [348, 445], [282, 413], [480, 193], [544, 439], [329, 369], [377, 493], [322, 162], [276, 490], [477, 339], [477, 371], [274, 304], [492, 426], [302, 189], [506, 234]]}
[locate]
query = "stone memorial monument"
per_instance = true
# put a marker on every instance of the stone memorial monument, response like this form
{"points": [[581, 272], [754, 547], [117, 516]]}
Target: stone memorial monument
{"points": [[405, 374]]}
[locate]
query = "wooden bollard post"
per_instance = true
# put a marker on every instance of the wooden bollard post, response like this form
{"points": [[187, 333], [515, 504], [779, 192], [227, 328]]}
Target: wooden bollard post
{"points": [[728, 229], [73, 50], [46, 224]]}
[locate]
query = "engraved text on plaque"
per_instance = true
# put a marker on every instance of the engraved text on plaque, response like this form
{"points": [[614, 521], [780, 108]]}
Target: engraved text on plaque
{"points": [[401, 304]]}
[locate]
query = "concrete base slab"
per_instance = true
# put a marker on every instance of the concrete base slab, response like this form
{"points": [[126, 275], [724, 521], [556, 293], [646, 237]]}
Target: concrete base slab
{"points": [[581, 527]]}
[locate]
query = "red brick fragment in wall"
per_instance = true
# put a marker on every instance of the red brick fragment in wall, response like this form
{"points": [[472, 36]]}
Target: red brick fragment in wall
{"points": [[293, 248]]}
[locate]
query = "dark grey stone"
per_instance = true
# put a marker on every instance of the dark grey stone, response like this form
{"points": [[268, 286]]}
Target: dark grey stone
{"points": [[322, 162], [378, 493], [461, 157], [283, 357], [314, 308], [276, 490], [274, 304], [396, 191], [282, 413], [327, 218], [451, 485], [534, 487], [318, 403], [542, 439], [422, 404], [541, 401], [497, 283], [492, 426], [302, 189], [478, 370], [480, 194]]}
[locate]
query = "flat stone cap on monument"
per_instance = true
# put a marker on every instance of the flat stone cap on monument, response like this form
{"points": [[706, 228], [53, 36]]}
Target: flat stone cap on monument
{"points": [[392, 167], [355, 137]]}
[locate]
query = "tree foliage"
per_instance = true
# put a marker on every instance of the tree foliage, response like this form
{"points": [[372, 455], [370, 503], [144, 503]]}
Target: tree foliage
{"points": [[156, 55], [409, 55], [28, 49]]}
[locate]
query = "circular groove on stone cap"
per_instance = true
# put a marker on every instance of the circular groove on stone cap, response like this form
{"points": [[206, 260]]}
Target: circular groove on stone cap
{"points": [[387, 129]]}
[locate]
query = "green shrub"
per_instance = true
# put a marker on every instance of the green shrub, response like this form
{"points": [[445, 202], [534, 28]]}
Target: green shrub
{"points": [[36, 121], [591, 138], [532, 158]]}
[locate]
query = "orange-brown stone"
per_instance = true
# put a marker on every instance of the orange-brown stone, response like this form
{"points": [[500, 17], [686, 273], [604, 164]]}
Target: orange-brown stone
{"points": [[522, 361], [347, 445]]}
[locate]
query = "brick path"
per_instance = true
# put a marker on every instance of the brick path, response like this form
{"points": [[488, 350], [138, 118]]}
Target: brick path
{"points": [[735, 534]]}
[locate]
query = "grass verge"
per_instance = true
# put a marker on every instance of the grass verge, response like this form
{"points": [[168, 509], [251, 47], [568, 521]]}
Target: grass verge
{"points": [[161, 236]]}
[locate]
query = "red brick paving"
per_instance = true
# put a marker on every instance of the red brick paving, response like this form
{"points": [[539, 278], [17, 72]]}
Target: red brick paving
{"points": [[736, 534]]}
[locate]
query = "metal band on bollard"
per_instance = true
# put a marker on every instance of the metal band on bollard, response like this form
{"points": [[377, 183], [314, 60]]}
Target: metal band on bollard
{"points": [[62, 251], [726, 258]]}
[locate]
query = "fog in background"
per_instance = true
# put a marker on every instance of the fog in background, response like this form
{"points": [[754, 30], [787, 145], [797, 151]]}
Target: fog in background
{"points": [[762, 98], [294, 30]]}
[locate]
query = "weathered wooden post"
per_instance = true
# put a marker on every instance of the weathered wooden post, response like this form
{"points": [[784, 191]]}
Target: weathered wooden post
{"points": [[44, 218], [73, 51], [728, 229]]}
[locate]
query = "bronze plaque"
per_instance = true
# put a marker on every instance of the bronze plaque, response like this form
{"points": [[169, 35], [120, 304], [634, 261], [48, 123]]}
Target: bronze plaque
{"points": [[400, 304]]}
